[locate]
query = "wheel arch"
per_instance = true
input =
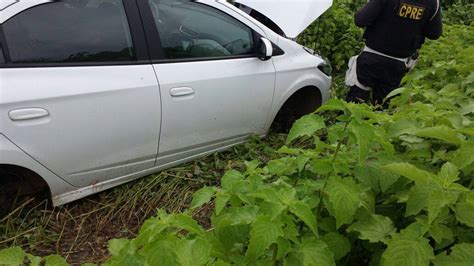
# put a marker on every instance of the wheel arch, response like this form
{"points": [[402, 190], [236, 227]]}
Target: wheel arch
{"points": [[14, 158], [34, 183], [301, 102]]}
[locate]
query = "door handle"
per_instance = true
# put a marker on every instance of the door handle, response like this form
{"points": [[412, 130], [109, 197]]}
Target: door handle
{"points": [[27, 114], [181, 91]]}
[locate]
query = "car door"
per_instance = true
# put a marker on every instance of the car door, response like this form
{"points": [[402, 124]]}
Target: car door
{"points": [[78, 93], [214, 89]]}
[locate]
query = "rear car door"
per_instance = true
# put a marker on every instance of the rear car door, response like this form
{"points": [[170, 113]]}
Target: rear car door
{"points": [[78, 92], [214, 89]]}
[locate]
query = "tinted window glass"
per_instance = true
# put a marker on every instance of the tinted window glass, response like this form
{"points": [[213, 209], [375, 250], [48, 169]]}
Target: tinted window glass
{"points": [[2, 56], [192, 30], [70, 31]]}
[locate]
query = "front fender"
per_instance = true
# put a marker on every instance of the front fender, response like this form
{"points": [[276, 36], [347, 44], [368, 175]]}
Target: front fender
{"points": [[287, 87]]}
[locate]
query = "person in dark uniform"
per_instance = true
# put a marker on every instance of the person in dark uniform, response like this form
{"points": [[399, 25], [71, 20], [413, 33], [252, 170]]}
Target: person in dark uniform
{"points": [[394, 31]]}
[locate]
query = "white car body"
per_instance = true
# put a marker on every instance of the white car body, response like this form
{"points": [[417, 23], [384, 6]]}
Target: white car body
{"points": [[87, 128]]}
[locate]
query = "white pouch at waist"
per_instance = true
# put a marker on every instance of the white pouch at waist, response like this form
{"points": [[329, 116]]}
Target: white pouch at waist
{"points": [[351, 75]]}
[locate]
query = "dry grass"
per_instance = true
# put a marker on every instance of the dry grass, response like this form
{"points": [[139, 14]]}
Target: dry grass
{"points": [[79, 231]]}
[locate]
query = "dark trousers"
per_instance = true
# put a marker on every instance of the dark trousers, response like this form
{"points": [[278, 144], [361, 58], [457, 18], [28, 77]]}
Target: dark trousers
{"points": [[378, 72]]}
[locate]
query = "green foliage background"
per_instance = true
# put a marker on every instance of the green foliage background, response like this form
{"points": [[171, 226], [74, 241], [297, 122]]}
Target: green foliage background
{"points": [[335, 35], [352, 185]]}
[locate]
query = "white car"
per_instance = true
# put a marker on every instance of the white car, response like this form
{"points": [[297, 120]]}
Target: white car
{"points": [[96, 93]]}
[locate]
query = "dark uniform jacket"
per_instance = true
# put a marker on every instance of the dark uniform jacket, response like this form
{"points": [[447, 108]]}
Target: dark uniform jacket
{"points": [[399, 27]]}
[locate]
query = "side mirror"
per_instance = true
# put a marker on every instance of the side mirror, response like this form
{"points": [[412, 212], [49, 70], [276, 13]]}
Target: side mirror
{"points": [[265, 49]]}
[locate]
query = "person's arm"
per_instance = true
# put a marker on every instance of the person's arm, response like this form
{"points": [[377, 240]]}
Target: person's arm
{"points": [[434, 28], [368, 13]]}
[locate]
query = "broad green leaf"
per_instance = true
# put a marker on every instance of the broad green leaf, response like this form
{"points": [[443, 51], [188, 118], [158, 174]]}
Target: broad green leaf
{"points": [[442, 133], [461, 255], [360, 112], [441, 232], [305, 126], [232, 181], [411, 172], [437, 200], [449, 174], [152, 228], [116, 245], [283, 166], [268, 194], [333, 105], [414, 231], [327, 224], [55, 260], [36, 261], [222, 263], [230, 235], [345, 197], [374, 228], [12, 256], [236, 216], [287, 195], [384, 141], [387, 179], [321, 166], [316, 253], [202, 196], [162, 253], [284, 246], [338, 244], [221, 201], [129, 260], [251, 166], [368, 175], [465, 213], [402, 127], [274, 209], [305, 214], [463, 157], [395, 92], [264, 232], [364, 136], [289, 151], [418, 199], [187, 223], [301, 161], [193, 252], [407, 252]]}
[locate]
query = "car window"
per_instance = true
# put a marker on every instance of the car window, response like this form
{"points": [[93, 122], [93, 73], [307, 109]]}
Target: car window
{"points": [[70, 31], [2, 56], [192, 30]]}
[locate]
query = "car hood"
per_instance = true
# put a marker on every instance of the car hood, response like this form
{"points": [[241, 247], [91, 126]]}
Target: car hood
{"points": [[292, 16]]}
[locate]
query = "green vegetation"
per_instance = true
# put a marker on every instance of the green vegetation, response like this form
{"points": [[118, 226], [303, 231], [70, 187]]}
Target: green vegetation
{"points": [[349, 185], [335, 35]]}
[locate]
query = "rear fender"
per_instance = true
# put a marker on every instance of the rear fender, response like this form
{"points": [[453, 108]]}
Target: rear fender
{"points": [[12, 155]]}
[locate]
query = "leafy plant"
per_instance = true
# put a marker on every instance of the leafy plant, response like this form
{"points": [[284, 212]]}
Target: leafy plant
{"points": [[335, 35]]}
